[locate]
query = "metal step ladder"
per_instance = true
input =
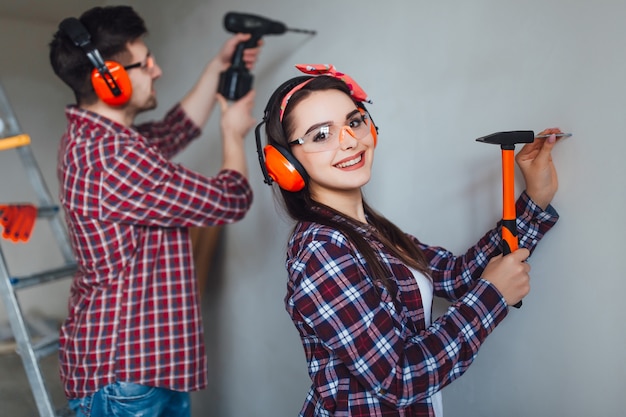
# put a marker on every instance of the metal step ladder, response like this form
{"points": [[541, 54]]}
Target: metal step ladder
{"points": [[14, 140]]}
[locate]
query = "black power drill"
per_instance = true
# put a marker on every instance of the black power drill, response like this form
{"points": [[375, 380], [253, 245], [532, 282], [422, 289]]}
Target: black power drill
{"points": [[236, 81]]}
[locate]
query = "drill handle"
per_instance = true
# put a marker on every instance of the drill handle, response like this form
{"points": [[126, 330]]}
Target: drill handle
{"points": [[237, 58], [253, 42]]}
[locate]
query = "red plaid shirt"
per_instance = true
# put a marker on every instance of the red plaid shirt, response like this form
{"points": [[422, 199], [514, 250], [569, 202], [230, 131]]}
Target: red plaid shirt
{"points": [[368, 350], [133, 309]]}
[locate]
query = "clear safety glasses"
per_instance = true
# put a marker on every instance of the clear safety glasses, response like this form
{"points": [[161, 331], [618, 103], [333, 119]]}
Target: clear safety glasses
{"points": [[327, 137]]}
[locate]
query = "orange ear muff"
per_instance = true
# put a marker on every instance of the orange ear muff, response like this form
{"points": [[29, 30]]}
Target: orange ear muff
{"points": [[105, 84], [284, 169]]}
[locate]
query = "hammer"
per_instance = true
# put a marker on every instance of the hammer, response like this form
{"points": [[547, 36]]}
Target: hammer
{"points": [[507, 142]]}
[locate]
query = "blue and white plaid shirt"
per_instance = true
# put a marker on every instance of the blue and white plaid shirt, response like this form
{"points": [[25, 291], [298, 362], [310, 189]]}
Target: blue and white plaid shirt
{"points": [[368, 350]]}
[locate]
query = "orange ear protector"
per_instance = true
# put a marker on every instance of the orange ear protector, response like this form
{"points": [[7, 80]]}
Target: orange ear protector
{"points": [[112, 85], [280, 166], [109, 79]]}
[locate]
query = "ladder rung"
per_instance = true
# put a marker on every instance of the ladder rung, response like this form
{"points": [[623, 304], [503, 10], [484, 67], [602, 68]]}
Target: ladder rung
{"points": [[46, 346], [50, 275], [42, 211], [14, 142], [47, 211]]}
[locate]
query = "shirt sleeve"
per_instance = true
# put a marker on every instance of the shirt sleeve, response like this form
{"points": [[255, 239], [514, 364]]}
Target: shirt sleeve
{"points": [[140, 186], [172, 134], [454, 275], [357, 321]]}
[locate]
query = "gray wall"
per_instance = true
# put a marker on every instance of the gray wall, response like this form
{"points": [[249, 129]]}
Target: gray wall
{"points": [[37, 98], [440, 74]]}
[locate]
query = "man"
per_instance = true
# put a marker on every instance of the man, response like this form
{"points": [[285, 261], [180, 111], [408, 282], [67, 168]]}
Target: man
{"points": [[132, 343]]}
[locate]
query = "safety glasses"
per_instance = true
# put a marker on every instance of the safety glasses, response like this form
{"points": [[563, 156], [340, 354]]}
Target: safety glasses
{"points": [[327, 137], [147, 65]]}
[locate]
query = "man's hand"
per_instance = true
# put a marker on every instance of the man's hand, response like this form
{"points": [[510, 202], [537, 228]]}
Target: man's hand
{"points": [[199, 102], [250, 55], [236, 122]]}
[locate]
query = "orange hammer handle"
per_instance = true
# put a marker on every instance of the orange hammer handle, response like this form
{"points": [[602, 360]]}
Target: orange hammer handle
{"points": [[509, 215], [509, 227]]}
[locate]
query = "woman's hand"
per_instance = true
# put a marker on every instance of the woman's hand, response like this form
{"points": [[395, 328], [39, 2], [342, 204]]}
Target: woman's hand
{"points": [[535, 162], [510, 275]]}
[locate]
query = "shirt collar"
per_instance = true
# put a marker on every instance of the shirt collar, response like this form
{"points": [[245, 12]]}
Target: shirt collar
{"points": [[363, 228], [76, 114]]}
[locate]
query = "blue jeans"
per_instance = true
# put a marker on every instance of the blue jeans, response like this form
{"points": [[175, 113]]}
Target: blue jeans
{"points": [[125, 399]]}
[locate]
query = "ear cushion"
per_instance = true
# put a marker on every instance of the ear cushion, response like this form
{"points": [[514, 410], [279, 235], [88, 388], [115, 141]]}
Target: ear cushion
{"points": [[284, 169], [105, 92]]}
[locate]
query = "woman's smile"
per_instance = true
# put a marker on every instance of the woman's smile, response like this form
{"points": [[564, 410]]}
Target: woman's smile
{"points": [[352, 162]]}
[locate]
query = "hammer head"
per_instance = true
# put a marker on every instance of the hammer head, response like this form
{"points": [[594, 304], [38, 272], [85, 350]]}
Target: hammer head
{"points": [[509, 139]]}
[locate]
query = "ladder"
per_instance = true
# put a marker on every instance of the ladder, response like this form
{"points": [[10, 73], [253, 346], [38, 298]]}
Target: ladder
{"points": [[12, 138]]}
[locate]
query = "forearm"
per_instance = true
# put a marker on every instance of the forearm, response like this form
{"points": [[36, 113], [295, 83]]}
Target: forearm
{"points": [[533, 222], [165, 194], [234, 156], [171, 134], [454, 275], [199, 102]]}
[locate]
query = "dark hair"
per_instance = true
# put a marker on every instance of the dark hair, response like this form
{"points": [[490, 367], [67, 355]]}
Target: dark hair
{"points": [[300, 206], [111, 29]]}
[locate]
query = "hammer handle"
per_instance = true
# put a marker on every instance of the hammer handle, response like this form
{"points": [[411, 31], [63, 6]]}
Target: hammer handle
{"points": [[509, 237], [509, 215]]}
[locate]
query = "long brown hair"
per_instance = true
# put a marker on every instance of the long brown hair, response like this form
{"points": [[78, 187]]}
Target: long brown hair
{"points": [[301, 207]]}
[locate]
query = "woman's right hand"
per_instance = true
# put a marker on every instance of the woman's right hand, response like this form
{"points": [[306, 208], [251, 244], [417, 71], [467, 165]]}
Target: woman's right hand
{"points": [[509, 274]]}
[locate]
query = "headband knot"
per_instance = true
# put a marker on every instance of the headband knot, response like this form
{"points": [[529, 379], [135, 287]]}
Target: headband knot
{"points": [[356, 91]]}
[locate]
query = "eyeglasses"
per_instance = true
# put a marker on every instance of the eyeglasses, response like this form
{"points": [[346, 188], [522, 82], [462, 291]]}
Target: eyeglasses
{"points": [[146, 66], [327, 137]]}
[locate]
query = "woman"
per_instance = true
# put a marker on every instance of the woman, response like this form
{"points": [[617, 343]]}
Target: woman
{"points": [[360, 290]]}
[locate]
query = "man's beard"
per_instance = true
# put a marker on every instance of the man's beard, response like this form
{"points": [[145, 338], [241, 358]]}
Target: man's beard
{"points": [[151, 104]]}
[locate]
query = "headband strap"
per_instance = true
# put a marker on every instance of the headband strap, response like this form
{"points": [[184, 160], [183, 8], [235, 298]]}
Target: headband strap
{"points": [[356, 91]]}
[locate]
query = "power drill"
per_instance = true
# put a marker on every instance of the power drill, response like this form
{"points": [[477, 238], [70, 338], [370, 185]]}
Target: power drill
{"points": [[236, 81]]}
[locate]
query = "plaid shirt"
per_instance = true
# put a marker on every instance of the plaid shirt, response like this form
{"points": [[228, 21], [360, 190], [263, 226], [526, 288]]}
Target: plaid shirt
{"points": [[133, 309], [368, 350]]}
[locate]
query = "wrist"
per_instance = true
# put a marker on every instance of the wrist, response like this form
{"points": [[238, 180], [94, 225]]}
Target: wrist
{"points": [[216, 65], [233, 143], [540, 200]]}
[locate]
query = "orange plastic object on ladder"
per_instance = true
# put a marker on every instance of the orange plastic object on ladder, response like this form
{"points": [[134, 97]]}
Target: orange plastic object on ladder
{"points": [[18, 221], [14, 142]]}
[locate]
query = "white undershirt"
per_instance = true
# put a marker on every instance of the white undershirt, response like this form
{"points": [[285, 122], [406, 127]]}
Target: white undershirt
{"points": [[426, 291]]}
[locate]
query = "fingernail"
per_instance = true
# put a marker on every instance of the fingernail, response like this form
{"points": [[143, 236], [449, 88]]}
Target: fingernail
{"points": [[552, 138]]}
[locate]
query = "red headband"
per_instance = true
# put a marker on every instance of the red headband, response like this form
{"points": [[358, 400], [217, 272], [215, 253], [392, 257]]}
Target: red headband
{"points": [[356, 91]]}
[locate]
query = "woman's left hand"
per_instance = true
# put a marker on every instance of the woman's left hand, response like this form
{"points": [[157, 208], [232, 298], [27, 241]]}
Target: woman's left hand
{"points": [[535, 162]]}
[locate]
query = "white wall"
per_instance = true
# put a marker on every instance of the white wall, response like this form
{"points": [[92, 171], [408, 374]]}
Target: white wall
{"points": [[440, 74]]}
